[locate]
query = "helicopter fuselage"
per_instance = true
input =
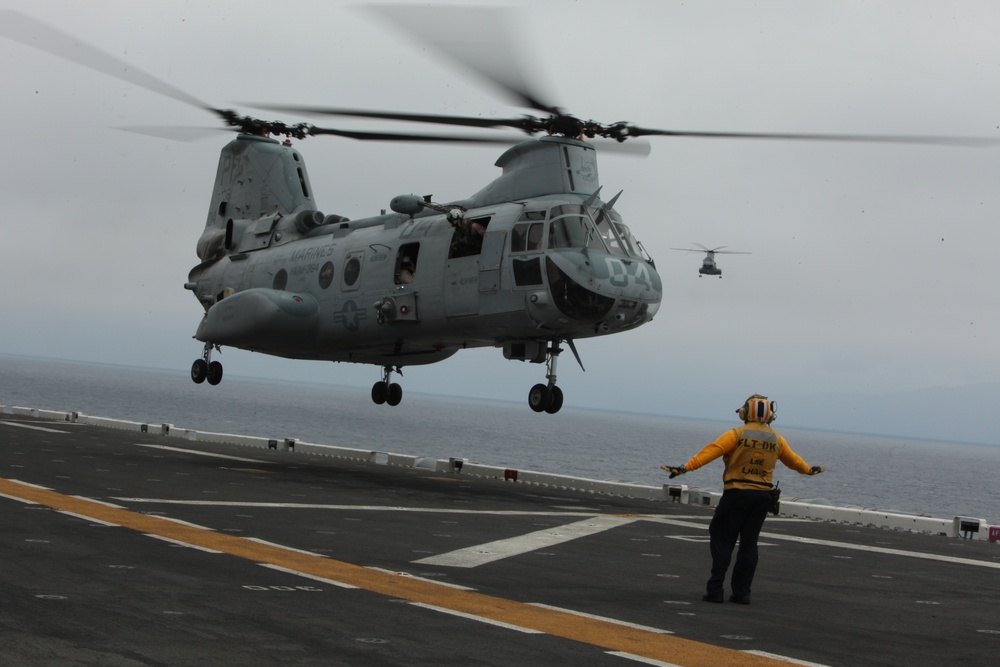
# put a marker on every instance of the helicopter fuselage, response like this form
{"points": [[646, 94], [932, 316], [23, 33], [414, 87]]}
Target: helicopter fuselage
{"points": [[532, 260], [337, 292], [708, 266]]}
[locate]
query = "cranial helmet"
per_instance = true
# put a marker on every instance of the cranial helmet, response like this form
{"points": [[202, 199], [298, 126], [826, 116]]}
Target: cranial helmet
{"points": [[757, 409]]}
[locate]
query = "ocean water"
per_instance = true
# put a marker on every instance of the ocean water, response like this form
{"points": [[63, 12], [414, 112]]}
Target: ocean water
{"points": [[935, 479]]}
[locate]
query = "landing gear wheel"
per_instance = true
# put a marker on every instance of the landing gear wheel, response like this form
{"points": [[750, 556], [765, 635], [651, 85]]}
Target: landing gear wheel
{"points": [[539, 398], [214, 372], [380, 392], [395, 394], [556, 400], [199, 371]]}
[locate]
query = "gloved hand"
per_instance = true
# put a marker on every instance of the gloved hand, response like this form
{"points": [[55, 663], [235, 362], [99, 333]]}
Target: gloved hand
{"points": [[674, 470], [815, 470]]}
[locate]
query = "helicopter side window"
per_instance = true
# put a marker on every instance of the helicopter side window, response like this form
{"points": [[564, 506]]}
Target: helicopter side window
{"points": [[467, 238]]}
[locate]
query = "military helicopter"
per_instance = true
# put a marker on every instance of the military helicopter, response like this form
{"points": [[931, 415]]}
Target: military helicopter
{"points": [[533, 261], [708, 266]]}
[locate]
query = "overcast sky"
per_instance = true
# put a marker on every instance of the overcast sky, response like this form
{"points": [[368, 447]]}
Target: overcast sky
{"points": [[875, 268]]}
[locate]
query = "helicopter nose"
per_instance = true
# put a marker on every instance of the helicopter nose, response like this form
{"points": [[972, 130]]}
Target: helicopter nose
{"points": [[605, 290]]}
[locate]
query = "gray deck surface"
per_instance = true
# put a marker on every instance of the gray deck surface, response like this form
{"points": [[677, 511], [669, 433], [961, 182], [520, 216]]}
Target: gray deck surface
{"points": [[122, 548]]}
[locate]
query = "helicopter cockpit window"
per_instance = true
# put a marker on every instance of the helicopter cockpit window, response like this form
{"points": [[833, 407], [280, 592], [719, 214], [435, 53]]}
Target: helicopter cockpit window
{"points": [[615, 234], [607, 232], [567, 209], [532, 215], [535, 236], [631, 245], [526, 236], [569, 232]]}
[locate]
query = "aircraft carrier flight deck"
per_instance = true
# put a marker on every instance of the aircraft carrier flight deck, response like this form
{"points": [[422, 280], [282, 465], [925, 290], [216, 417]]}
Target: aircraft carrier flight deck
{"points": [[131, 548]]}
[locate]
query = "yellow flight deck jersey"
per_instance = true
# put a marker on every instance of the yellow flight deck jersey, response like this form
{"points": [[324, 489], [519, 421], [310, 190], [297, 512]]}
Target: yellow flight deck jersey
{"points": [[750, 453]]}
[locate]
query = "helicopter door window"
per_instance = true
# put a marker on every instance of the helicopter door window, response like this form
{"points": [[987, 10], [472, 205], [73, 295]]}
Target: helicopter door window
{"points": [[406, 264], [527, 271]]}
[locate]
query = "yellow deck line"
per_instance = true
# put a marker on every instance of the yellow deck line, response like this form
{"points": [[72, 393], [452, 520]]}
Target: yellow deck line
{"points": [[604, 634]]}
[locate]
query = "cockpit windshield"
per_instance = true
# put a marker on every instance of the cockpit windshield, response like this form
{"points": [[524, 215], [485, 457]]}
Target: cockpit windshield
{"points": [[576, 226], [571, 231]]}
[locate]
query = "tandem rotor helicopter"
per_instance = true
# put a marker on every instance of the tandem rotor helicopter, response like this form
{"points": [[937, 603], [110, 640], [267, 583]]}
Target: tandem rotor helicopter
{"points": [[533, 261], [708, 266]]}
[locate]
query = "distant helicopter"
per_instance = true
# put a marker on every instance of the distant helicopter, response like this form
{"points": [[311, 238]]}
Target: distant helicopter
{"points": [[534, 260], [708, 267]]}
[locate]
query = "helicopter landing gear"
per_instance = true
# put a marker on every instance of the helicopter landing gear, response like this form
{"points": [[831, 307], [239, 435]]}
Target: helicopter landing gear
{"points": [[385, 391], [206, 369], [548, 397], [543, 398]]}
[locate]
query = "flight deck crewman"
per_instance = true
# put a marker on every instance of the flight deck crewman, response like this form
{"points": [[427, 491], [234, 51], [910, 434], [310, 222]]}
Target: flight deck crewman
{"points": [[750, 453]]}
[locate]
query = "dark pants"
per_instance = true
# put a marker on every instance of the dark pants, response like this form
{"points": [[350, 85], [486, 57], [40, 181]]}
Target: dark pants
{"points": [[740, 514]]}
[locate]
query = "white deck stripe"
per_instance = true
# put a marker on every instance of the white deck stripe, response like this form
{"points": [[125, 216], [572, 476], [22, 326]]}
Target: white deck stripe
{"points": [[884, 550], [199, 453], [793, 661], [32, 427], [846, 545], [481, 619], [481, 554], [323, 580], [87, 518], [357, 508], [605, 619], [643, 660], [683, 522], [181, 543]]}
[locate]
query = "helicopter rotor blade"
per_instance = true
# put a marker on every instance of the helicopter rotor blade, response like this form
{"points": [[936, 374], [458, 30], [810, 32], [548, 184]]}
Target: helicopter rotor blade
{"points": [[527, 124], [633, 131], [718, 251], [522, 123], [633, 149], [479, 38], [31, 32], [37, 35], [177, 133], [312, 130]]}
